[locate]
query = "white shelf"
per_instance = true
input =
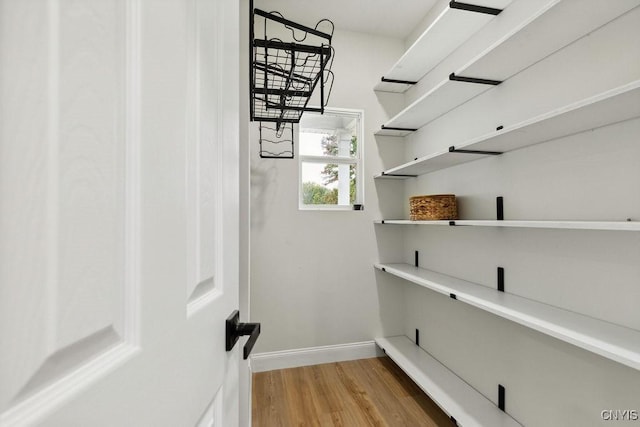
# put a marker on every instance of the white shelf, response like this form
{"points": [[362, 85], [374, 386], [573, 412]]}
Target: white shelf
{"points": [[571, 225], [441, 99], [394, 132], [385, 175], [449, 30], [613, 106], [614, 342], [543, 34], [450, 392]]}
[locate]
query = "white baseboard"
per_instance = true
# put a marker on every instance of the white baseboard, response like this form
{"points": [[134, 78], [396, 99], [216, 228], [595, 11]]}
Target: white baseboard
{"points": [[262, 362]]}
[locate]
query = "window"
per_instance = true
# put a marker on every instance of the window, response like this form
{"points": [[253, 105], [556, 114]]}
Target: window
{"points": [[330, 147]]}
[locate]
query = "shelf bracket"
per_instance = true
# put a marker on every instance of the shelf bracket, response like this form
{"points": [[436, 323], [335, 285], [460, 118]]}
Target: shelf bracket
{"points": [[383, 127], [474, 8], [397, 174], [454, 224], [455, 78], [501, 397], [500, 208], [453, 149], [415, 261], [402, 82], [417, 337], [500, 279]]}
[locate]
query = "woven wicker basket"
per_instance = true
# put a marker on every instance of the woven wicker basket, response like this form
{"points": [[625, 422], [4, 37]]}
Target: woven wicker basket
{"points": [[434, 207]]}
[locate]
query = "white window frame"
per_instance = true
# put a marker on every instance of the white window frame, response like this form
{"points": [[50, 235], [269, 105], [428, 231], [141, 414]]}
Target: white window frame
{"points": [[357, 160]]}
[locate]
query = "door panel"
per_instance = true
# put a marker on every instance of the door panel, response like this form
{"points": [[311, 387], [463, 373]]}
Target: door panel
{"points": [[213, 415], [118, 196], [87, 181], [66, 203], [202, 148]]}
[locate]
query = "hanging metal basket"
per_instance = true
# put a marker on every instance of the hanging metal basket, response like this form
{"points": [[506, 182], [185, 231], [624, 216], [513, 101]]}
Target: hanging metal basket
{"points": [[289, 61]]}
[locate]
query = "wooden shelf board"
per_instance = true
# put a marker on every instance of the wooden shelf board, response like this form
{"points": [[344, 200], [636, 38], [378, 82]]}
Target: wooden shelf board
{"points": [[385, 175], [432, 163], [611, 341], [570, 225], [383, 86], [543, 34], [443, 98], [612, 106], [393, 132], [450, 392], [450, 29]]}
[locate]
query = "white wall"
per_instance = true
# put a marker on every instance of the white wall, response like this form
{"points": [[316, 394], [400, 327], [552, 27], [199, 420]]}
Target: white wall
{"points": [[312, 276], [594, 175]]}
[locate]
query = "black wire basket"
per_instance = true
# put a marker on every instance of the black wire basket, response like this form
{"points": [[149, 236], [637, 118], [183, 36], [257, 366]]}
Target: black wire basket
{"points": [[289, 61], [276, 143]]}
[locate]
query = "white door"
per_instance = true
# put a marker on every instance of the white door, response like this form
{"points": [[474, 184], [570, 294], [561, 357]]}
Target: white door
{"points": [[118, 212]]}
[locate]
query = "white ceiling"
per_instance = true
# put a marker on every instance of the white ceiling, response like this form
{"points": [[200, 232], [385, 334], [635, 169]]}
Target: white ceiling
{"points": [[395, 18]]}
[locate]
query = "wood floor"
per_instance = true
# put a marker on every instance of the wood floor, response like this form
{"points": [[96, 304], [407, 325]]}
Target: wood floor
{"points": [[367, 392]]}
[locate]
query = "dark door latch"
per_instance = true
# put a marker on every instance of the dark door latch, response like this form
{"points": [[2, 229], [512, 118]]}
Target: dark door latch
{"points": [[235, 330]]}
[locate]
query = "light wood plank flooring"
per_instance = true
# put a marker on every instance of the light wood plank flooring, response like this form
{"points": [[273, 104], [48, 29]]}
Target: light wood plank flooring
{"points": [[366, 392]]}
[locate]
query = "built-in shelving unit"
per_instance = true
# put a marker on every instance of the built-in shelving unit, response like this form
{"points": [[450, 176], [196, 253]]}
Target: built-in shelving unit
{"points": [[452, 27], [613, 106], [543, 34], [554, 26], [450, 392], [614, 342], [570, 225]]}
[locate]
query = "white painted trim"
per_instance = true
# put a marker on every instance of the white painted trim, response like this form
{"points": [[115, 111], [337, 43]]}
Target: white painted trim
{"points": [[262, 362], [339, 160], [204, 300], [74, 381], [210, 286], [52, 234], [133, 65], [38, 406]]}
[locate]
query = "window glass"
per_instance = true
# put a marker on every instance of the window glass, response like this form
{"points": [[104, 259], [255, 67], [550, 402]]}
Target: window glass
{"points": [[328, 135], [321, 184], [329, 147]]}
